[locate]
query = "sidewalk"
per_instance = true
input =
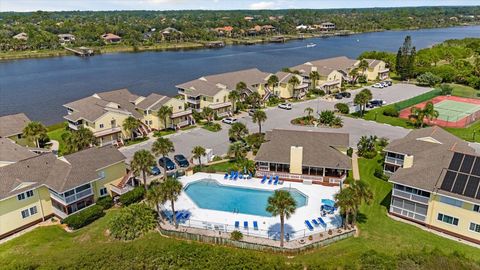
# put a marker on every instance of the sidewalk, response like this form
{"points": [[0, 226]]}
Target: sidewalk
{"points": [[356, 171]]}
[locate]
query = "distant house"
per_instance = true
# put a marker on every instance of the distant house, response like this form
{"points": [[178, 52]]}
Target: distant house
{"points": [[13, 125], [21, 36], [224, 31], [327, 26], [169, 31], [111, 38], [268, 28], [303, 27], [248, 18], [66, 38]]}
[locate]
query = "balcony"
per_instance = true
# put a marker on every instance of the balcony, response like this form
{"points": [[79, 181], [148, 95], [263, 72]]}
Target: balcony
{"points": [[119, 190], [72, 198], [410, 196], [193, 101], [394, 161]]}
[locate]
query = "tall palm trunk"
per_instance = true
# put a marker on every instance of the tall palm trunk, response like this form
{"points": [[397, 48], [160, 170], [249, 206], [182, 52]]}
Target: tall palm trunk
{"points": [[164, 167], [259, 127], [200, 161], [347, 213], [282, 229], [145, 180], [174, 215]]}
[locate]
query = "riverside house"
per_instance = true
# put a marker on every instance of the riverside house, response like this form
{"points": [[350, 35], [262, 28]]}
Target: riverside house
{"points": [[11, 126], [212, 91], [111, 38], [42, 186], [436, 178], [284, 89], [304, 156]]}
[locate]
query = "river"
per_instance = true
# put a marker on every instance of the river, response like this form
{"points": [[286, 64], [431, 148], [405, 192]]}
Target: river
{"points": [[39, 87]]}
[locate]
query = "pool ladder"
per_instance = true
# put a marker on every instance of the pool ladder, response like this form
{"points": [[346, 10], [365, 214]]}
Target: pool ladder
{"points": [[236, 210]]}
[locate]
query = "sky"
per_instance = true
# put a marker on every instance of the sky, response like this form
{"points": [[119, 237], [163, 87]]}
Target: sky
{"points": [[61, 5]]}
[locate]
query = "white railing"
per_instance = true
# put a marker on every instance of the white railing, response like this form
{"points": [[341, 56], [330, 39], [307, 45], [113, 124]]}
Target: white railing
{"points": [[395, 161], [59, 213], [410, 196], [72, 126], [74, 197], [121, 191], [193, 101]]}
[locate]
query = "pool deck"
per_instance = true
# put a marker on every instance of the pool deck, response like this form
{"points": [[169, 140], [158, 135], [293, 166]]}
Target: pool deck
{"points": [[268, 226]]}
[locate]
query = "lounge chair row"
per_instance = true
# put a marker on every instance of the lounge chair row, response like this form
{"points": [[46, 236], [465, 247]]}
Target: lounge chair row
{"points": [[270, 180], [317, 222], [180, 216], [245, 225], [236, 175]]}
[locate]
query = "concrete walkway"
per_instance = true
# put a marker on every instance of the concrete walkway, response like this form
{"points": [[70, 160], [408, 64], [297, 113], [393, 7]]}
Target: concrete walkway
{"points": [[355, 170]]}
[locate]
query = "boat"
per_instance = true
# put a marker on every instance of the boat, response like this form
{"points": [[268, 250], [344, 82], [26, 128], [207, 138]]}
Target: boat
{"points": [[311, 45]]}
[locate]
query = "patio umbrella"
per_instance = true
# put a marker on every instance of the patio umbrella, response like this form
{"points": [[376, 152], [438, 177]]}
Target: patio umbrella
{"points": [[328, 202]]}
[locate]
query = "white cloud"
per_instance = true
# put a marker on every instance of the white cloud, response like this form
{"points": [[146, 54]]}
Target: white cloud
{"points": [[262, 5]]}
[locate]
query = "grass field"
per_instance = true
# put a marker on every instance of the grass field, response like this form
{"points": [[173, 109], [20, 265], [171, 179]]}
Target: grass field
{"points": [[464, 91], [381, 238], [56, 134]]}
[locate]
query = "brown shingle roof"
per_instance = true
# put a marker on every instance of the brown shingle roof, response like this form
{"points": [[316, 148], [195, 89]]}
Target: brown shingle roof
{"points": [[124, 98], [60, 174], [12, 152], [318, 148], [326, 66], [153, 102], [13, 124]]}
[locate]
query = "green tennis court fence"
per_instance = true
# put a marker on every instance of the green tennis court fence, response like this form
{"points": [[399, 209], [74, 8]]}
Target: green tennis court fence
{"points": [[418, 99]]}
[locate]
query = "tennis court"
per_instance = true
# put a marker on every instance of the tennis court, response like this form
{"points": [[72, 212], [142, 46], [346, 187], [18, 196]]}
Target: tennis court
{"points": [[453, 111]]}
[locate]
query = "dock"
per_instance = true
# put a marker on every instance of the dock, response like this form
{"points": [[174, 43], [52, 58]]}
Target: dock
{"points": [[81, 51]]}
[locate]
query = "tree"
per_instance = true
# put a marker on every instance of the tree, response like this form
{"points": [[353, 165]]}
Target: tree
{"points": [[406, 59], [326, 117], [366, 146], [237, 131], [172, 188], [208, 113], [237, 150], [254, 99], [163, 146], [314, 77], [130, 124], [234, 96], [198, 152], [363, 66], [141, 163], [309, 112], [294, 82], [428, 79], [34, 131], [418, 115], [353, 73], [132, 222], [272, 82], [156, 196], [259, 117], [282, 204], [345, 200], [240, 86], [362, 194], [164, 113], [361, 99]]}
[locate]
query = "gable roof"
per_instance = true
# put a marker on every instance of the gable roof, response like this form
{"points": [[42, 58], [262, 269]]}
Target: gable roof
{"points": [[284, 77], [318, 148], [13, 124], [153, 102], [12, 152], [325, 66], [59, 174]]}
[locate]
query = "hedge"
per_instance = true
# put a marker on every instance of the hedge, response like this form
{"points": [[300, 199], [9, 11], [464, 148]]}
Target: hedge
{"points": [[418, 99], [390, 111], [132, 196], [105, 202], [342, 108], [84, 217]]}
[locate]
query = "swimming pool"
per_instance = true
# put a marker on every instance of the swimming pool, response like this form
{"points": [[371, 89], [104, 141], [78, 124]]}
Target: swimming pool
{"points": [[209, 194]]}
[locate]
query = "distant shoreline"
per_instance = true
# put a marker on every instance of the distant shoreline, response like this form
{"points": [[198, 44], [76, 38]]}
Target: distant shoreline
{"points": [[19, 55]]}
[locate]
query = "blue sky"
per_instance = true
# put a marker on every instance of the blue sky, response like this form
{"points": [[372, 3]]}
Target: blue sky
{"points": [[51, 5]]}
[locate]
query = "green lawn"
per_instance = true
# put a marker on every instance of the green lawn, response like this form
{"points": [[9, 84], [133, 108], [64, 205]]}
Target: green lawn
{"points": [[464, 91], [56, 134], [90, 248]]}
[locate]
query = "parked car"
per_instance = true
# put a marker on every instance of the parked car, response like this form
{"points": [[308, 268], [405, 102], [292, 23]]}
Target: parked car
{"points": [[338, 96], [375, 103], [346, 94], [181, 161], [389, 83], [251, 112], [377, 85], [168, 162], [285, 106], [154, 170], [229, 120]]}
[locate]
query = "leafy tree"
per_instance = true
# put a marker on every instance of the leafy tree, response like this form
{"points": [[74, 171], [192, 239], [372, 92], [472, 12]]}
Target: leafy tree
{"points": [[199, 152], [172, 188], [163, 146], [254, 99], [164, 113], [130, 124], [240, 86], [155, 197], [342, 108], [418, 115], [345, 200], [237, 150], [428, 79], [132, 222], [326, 117], [362, 99], [282, 204], [237, 131], [366, 146], [234, 95], [141, 163], [272, 82], [406, 59], [259, 117], [34, 131], [78, 140], [208, 113], [255, 141]]}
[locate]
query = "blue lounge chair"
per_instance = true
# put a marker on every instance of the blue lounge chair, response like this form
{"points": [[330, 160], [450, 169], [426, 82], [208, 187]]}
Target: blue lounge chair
{"points": [[309, 226], [240, 176], [315, 222], [226, 176], [270, 180], [179, 216], [276, 180], [232, 174], [264, 179], [237, 224], [245, 225], [322, 222], [235, 175], [255, 226], [250, 176], [186, 217]]}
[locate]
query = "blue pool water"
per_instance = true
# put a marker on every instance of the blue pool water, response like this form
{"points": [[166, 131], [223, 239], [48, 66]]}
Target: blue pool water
{"points": [[209, 194]]}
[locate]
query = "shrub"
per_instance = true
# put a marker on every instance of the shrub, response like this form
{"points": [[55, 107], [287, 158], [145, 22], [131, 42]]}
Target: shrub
{"points": [[105, 202], [320, 93], [236, 235], [350, 152], [390, 111], [214, 127], [428, 79], [379, 174], [132, 222], [132, 196], [446, 89], [383, 141], [84, 217], [342, 108]]}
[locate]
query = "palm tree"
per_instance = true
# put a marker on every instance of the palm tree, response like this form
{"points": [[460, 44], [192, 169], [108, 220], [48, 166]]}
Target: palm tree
{"points": [[272, 82], [259, 117], [156, 196], [419, 114], [141, 163], [172, 188], [294, 81], [362, 194], [240, 86], [362, 99], [309, 112], [353, 73], [163, 146], [237, 150], [314, 77], [282, 204], [430, 111], [164, 113], [345, 199], [254, 99], [199, 152], [208, 113], [237, 131], [363, 66], [234, 96], [34, 131], [130, 124]]}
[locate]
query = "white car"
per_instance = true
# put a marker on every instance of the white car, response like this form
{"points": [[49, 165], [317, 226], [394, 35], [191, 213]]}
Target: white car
{"points": [[377, 85], [229, 120], [285, 106]]}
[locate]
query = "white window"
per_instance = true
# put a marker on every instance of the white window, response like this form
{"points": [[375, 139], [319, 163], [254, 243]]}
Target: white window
{"points": [[101, 125], [21, 196], [474, 227], [25, 213], [448, 219], [101, 174], [476, 208], [103, 192], [29, 193], [33, 210]]}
